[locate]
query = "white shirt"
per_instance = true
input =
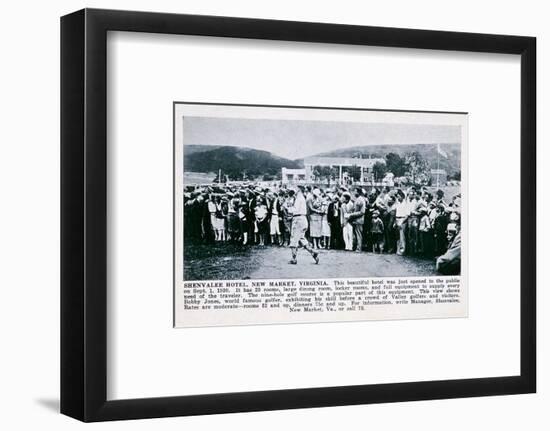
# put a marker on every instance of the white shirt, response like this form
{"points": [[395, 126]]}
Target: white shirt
{"points": [[413, 205], [346, 209], [300, 207], [402, 209]]}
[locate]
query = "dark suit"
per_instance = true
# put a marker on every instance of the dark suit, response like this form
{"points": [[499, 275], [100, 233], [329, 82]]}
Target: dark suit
{"points": [[333, 219], [357, 219]]}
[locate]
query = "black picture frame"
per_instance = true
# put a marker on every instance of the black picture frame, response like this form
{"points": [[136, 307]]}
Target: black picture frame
{"points": [[84, 214]]}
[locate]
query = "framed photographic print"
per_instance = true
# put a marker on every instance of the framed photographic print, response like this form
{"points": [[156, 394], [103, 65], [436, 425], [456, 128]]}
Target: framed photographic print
{"points": [[262, 215]]}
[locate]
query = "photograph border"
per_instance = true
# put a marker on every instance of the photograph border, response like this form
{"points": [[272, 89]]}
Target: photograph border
{"points": [[463, 274], [84, 186]]}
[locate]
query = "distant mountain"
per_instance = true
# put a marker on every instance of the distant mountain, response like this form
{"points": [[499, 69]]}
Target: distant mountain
{"points": [[234, 161], [451, 163], [192, 149]]}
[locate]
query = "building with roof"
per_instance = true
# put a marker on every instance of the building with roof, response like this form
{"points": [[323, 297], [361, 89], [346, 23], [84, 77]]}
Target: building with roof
{"points": [[342, 163], [293, 176]]}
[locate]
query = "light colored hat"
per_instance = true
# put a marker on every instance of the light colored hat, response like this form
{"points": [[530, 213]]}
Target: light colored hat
{"points": [[316, 192], [348, 194]]}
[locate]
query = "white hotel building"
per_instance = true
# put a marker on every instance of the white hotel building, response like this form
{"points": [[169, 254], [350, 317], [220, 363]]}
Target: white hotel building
{"points": [[305, 175]]}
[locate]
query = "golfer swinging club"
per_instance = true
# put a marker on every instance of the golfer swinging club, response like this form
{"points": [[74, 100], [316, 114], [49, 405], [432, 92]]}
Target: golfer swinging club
{"points": [[299, 227]]}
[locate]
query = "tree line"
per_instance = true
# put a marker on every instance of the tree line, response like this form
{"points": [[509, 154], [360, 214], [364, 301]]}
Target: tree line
{"points": [[412, 165]]}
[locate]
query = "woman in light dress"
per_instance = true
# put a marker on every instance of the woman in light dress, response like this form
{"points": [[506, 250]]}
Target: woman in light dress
{"points": [[219, 225], [216, 217], [316, 218]]}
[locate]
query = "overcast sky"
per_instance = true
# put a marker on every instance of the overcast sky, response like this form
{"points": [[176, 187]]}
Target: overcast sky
{"points": [[295, 139]]}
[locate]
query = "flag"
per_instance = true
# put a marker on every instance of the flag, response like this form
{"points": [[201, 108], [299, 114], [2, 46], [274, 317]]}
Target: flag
{"points": [[440, 151]]}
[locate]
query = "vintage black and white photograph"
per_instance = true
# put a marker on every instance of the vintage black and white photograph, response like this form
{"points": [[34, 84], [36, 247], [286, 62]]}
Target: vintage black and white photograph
{"points": [[318, 210]]}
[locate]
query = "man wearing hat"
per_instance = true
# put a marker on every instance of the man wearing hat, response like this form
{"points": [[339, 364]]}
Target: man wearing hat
{"points": [[333, 218], [441, 220], [347, 228], [287, 203], [439, 201], [413, 221], [274, 208], [449, 263], [299, 227], [248, 209], [402, 210], [389, 225], [357, 218]]}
